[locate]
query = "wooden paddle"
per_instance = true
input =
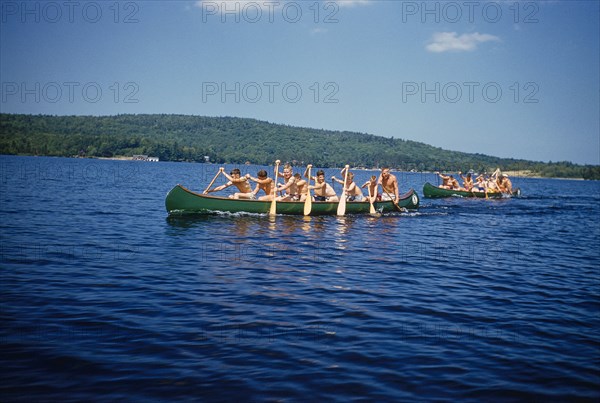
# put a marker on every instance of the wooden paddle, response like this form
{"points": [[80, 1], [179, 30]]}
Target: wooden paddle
{"points": [[213, 181], [371, 207], [341, 210], [394, 202], [273, 210], [308, 200]]}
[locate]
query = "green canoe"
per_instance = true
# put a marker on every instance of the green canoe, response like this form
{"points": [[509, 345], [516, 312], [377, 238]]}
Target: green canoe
{"points": [[181, 201], [431, 191]]}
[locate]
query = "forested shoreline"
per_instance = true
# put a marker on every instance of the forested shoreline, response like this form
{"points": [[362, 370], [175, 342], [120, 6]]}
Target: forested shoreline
{"points": [[240, 140]]}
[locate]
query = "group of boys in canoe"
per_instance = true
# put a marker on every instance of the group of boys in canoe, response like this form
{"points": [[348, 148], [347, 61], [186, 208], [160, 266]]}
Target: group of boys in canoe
{"points": [[494, 183], [294, 187]]}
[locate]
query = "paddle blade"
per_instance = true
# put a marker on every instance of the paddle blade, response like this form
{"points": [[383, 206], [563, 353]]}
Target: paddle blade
{"points": [[308, 204], [308, 201], [341, 210], [371, 207], [273, 210]]}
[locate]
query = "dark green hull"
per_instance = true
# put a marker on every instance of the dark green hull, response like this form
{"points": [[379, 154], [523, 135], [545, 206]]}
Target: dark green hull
{"points": [[181, 201], [431, 191]]}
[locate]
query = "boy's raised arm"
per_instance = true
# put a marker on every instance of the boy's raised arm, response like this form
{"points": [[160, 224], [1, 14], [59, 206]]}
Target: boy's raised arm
{"points": [[309, 166]]}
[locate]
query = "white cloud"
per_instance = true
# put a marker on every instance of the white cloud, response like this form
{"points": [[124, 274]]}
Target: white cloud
{"points": [[317, 31], [353, 3], [452, 42]]}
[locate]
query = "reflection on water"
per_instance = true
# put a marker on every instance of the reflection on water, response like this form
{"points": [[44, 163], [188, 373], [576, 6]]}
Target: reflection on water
{"points": [[272, 223], [306, 220], [322, 232], [343, 227]]}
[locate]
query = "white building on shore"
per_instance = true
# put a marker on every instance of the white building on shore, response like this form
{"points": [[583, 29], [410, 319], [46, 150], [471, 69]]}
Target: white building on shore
{"points": [[141, 157]]}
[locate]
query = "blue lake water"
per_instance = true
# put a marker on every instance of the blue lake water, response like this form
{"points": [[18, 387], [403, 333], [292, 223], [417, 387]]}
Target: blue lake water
{"points": [[103, 297]]}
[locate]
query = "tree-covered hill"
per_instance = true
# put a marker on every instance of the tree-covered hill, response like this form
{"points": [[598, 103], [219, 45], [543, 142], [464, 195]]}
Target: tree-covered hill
{"points": [[237, 140]]}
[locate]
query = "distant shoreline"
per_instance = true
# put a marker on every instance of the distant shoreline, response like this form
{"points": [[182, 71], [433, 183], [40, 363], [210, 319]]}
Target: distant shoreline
{"points": [[512, 174]]}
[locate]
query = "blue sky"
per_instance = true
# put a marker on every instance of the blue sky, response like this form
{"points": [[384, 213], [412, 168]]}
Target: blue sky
{"points": [[504, 78]]}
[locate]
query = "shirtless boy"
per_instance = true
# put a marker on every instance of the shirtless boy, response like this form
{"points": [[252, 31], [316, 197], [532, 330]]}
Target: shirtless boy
{"points": [[504, 184], [301, 189], [467, 181], [353, 192], [480, 184], [323, 191], [389, 183], [372, 185], [449, 182], [233, 179], [290, 186], [263, 183]]}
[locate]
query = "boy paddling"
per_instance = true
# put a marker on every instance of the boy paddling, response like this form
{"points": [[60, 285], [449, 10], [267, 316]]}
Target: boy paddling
{"points": [[263, 182], [233, 180], [323, 191], [353, 192], [389, 183], [292, 193]]}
